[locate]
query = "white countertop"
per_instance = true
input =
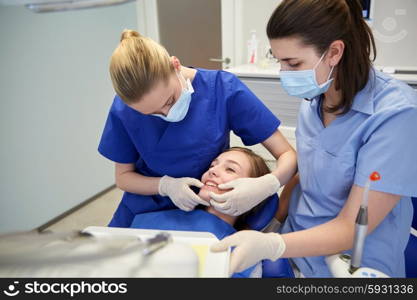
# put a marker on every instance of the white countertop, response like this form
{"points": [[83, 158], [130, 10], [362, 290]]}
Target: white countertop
{"points": [[272, 71], [251, 70]]}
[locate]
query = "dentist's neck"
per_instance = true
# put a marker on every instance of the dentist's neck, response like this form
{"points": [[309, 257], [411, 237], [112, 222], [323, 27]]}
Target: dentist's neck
{"points": [[188, 73], [332, 97]]}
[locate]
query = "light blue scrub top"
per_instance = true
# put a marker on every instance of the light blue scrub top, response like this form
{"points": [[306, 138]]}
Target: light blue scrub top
{"points": [[379, 133]]}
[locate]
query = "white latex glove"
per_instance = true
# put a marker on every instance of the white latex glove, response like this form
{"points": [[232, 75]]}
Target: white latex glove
{"points": [[251, 247], [246, 194], [178, 189]]}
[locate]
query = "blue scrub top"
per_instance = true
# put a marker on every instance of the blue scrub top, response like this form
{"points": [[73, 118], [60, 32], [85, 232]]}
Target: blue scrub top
{"points": [[196, 220], [220, 103], [379, 133]]}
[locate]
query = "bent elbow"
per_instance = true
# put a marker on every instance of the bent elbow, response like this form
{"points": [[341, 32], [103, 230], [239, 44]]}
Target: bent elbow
{"points": [[120, 183]]}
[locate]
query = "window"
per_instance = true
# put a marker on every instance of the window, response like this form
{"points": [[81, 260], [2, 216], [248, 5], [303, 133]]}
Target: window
{"points": [[366, 9]]}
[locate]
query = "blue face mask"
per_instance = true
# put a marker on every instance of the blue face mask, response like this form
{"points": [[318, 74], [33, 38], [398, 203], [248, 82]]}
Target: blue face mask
{"points": [[303, 84], [179, 110]]}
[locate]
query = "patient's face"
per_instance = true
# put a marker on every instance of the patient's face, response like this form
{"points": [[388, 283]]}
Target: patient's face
{"points": [[226, 167]]}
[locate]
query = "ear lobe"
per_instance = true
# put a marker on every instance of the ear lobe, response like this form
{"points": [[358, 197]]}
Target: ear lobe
{"points": [[176, 63]]}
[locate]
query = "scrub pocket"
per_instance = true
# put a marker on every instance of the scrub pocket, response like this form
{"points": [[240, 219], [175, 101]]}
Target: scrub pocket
{"points": [[334, 175]]}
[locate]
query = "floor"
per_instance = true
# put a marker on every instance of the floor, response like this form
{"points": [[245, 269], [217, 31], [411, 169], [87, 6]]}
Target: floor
{"points": [[96, 213]]}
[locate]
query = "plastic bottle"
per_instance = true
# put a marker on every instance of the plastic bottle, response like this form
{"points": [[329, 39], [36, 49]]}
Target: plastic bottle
{"points": [[264, 59], [253, 43]]}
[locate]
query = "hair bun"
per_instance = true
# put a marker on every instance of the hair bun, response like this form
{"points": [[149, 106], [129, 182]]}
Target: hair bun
{"points": [[127, 33]]}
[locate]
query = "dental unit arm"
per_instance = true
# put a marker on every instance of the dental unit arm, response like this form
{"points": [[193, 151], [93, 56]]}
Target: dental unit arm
{"points": [[343, 265]]}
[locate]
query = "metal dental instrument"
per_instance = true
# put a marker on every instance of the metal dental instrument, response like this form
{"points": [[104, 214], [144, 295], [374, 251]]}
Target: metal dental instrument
{"points": [[361, 226], [157, 242]]}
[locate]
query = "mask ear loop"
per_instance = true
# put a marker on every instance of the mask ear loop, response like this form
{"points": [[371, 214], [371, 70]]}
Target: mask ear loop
{"points": [[331, 71], [330, 74], [188, 86], [179, 79], [321, 58]]}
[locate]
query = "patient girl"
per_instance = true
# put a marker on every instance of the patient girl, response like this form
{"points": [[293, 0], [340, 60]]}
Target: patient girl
{"points": [[232, 164]]}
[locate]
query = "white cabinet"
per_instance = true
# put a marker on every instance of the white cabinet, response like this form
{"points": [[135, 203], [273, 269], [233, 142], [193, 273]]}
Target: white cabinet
{"points": [[285, 107], [269, 90]]}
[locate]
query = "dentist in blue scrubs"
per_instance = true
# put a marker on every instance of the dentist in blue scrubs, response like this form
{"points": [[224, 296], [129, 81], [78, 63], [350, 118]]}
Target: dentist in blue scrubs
{"points": [[166, 125], [354, 120]]}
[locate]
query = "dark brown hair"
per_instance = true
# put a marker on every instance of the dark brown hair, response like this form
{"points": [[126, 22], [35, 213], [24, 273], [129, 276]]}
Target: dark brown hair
{"points": [[319, 23], [258, 168]]}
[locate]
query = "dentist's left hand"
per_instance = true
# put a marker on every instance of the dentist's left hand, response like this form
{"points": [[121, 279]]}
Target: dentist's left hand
{"points": [[251, 247], [180, 193], [246, 194]]}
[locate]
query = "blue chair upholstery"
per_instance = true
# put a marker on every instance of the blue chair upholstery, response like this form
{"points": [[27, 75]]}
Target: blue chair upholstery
{"points": [[260, 219], [410, 252], [414, 223], [280, 268]]}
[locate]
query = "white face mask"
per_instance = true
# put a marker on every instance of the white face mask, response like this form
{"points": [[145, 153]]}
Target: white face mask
{"points": [[303, 84], [179, 110]]}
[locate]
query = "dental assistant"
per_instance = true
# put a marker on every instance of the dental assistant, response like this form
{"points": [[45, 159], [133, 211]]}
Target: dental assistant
{"points": [[168, 122], [354, 120]]}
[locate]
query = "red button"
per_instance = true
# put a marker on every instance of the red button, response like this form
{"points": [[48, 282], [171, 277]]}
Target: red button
{"points": [[375, 176]]}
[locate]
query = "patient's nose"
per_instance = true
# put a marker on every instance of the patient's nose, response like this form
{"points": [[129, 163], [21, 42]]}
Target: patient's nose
{"points": [[213, 171]]}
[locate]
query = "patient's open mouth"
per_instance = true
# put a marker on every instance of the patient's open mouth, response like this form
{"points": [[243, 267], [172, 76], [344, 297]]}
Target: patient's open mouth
{"points": [[211, 185]]}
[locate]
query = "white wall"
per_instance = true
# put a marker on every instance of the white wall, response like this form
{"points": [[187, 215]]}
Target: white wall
{"points": [[394, 25], [255, 16], [55, 95], [395, 31]]}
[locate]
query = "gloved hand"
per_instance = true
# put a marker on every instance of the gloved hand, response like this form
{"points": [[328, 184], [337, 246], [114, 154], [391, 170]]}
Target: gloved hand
{"points": [[246, 193], [251, 247], [178, 189]]}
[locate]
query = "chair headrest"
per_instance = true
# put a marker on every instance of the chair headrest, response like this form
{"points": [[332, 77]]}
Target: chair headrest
{"points": [[261, 218]]}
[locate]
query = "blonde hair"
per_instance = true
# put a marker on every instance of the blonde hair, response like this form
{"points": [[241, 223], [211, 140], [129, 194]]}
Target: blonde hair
{"points": [[137, 64]]}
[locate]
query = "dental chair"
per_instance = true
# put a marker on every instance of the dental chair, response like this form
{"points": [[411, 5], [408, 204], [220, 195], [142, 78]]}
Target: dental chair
{"points": [[410, 252]]}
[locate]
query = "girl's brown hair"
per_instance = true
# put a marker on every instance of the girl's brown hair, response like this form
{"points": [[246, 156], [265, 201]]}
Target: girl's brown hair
{"points": [[137, 64], [258, 165], [319, 23]]}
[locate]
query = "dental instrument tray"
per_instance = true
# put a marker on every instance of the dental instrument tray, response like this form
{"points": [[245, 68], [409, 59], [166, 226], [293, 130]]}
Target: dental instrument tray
{"points": [[111, 252], [187, 255]]}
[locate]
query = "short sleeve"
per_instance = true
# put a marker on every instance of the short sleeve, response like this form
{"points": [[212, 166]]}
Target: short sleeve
{"points": [[391, 150], [115, 143], [248, 116]]}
